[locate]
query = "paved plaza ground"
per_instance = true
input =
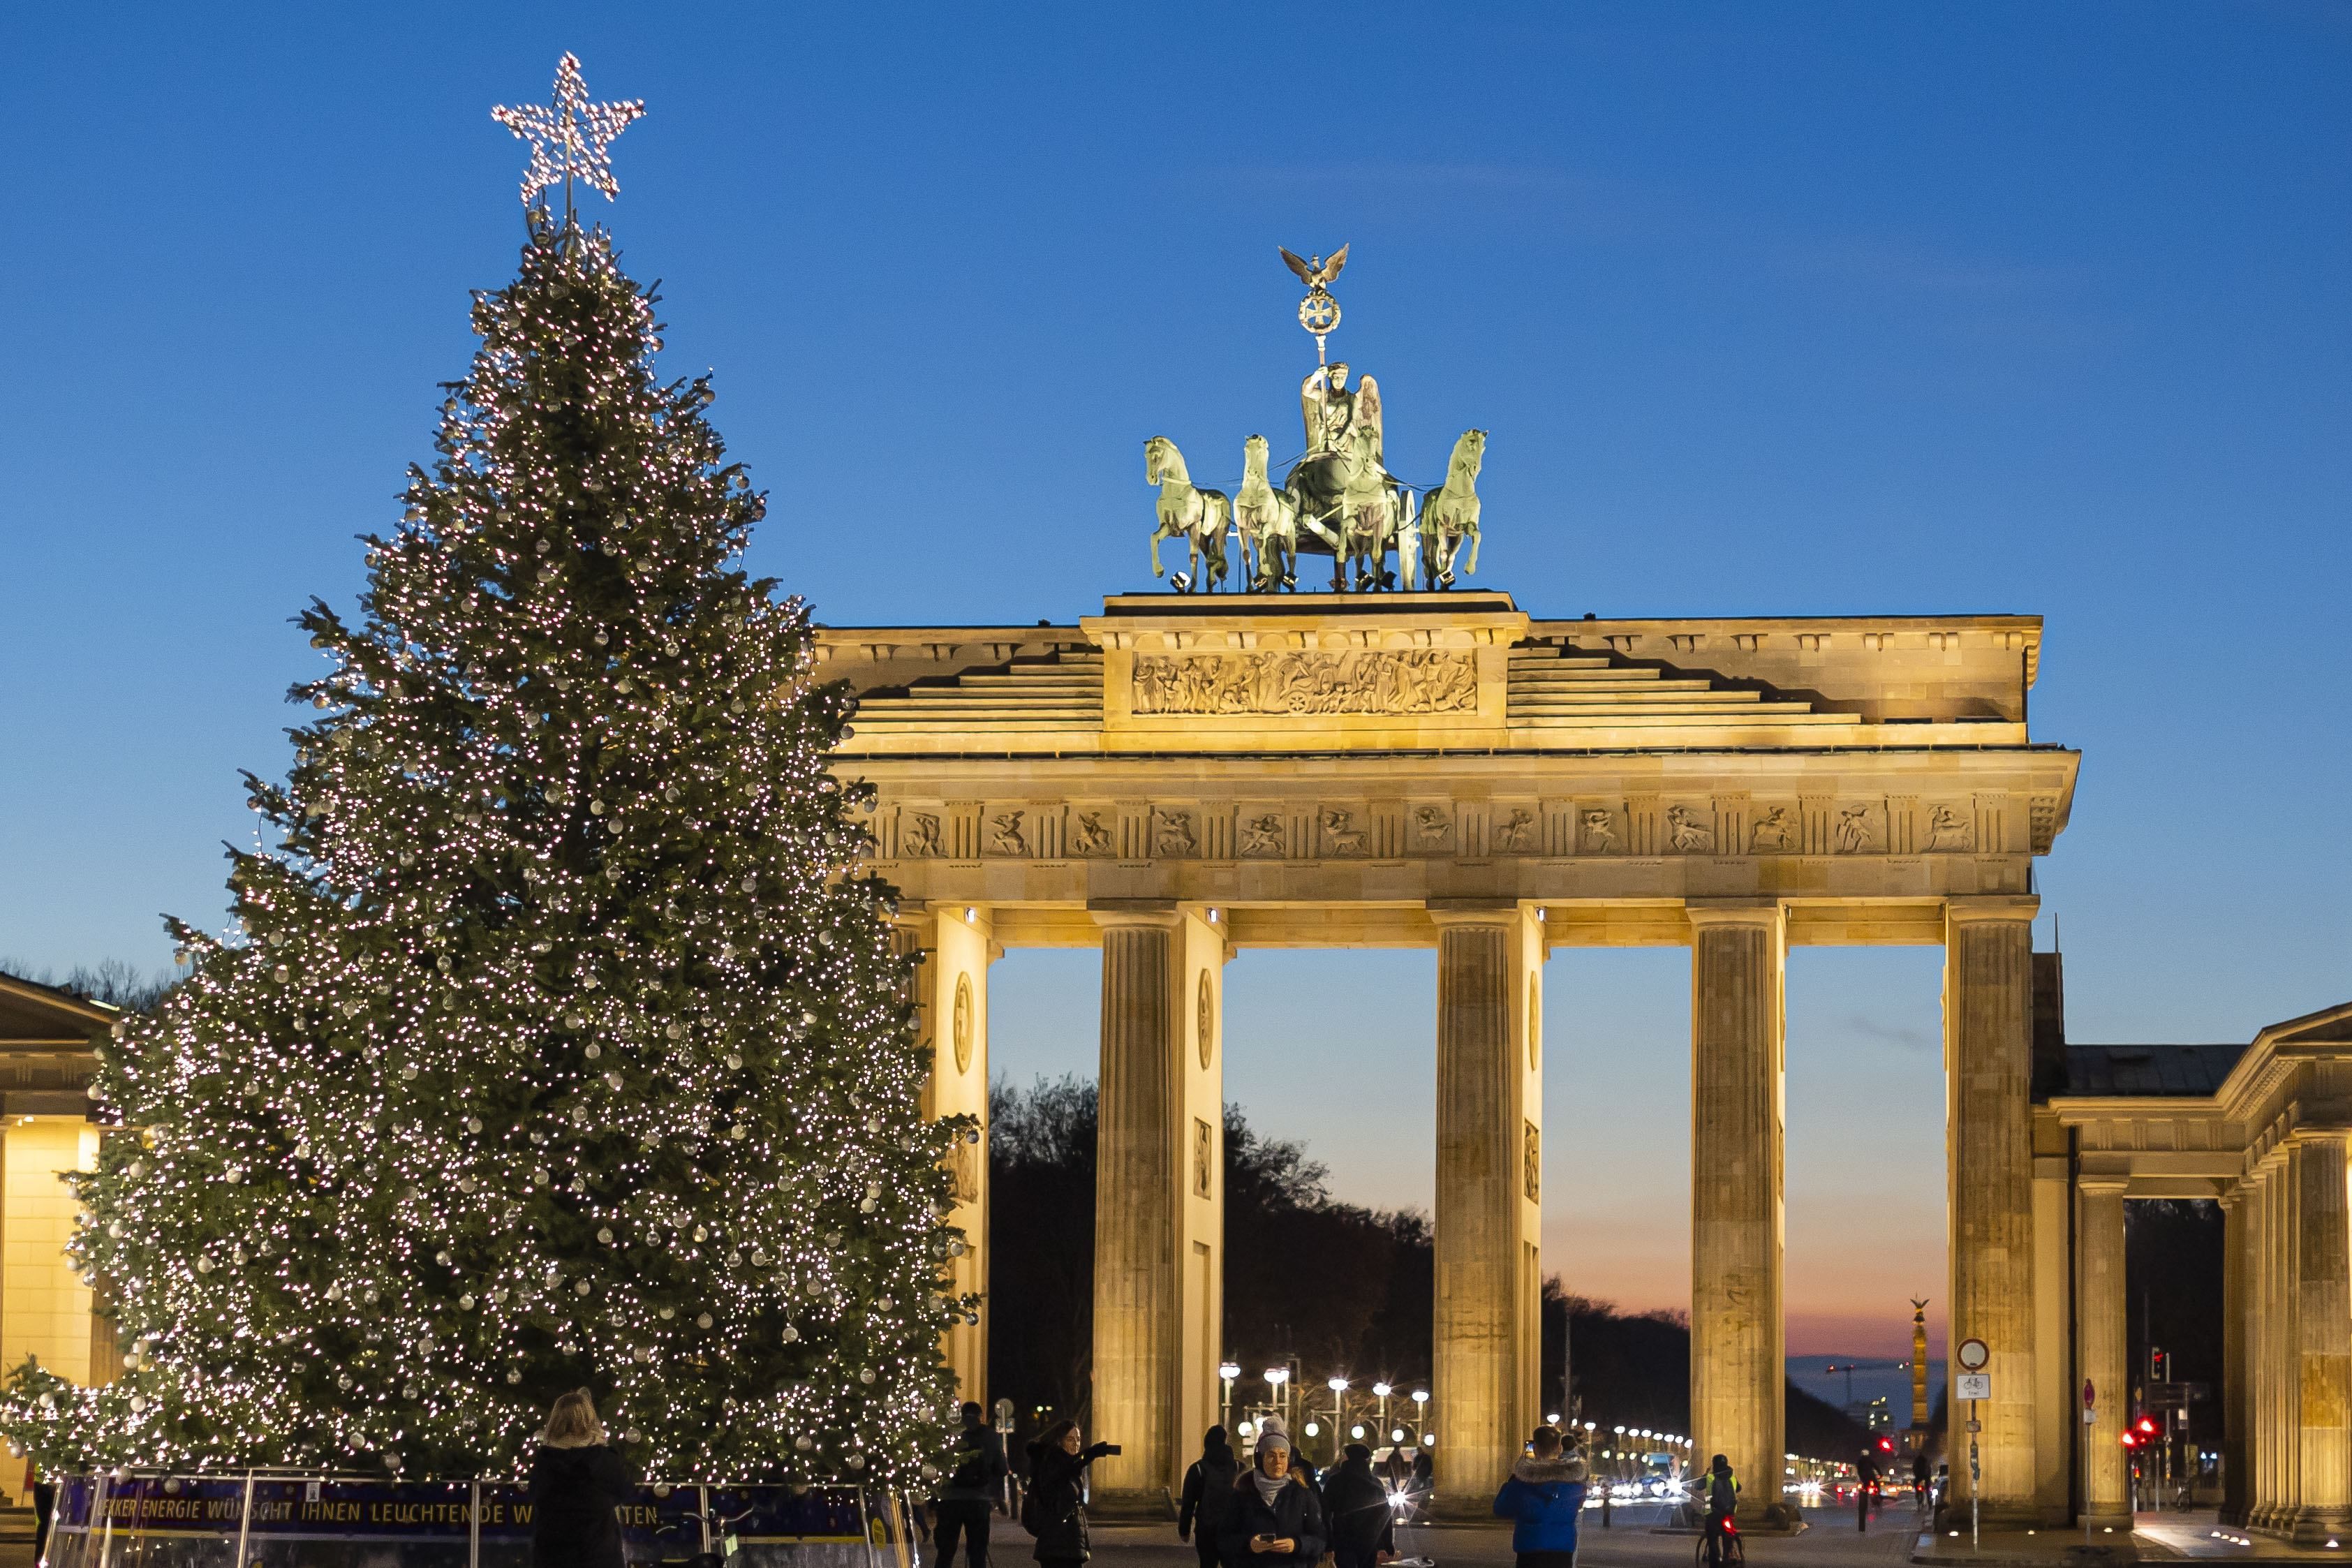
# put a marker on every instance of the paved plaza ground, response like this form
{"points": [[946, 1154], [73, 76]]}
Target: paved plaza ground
{"points": [[1830, 1541]]}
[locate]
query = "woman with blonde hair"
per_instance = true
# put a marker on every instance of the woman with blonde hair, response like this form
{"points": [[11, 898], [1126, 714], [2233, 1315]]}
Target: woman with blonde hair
{"points": [[577, 1479]]}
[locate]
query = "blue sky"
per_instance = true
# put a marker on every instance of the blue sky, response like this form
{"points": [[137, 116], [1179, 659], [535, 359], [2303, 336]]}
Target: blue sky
{"points": [[1785, 310]]}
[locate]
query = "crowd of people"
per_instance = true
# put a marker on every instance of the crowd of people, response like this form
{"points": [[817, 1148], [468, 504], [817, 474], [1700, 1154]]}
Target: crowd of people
{"points": [[1274, 1511]]}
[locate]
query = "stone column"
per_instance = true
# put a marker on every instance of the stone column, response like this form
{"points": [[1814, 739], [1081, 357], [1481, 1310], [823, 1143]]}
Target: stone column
{"points": [[1738, 1089], [1486, 1349], [2278, 1383], [1988, 1061], [2058, 1394], [2323, 1341], [1159, 1237], [2266, 1464], [955, 945], [2100, 1338], [2235, 1493]]}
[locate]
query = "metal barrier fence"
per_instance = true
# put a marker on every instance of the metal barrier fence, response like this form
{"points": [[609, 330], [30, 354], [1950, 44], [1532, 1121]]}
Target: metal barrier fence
{"points": [[274, 1519]]}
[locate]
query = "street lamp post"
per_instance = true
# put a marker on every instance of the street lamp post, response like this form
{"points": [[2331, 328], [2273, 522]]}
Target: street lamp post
{"points": [[1227, 1372], [1382, 1390], [1421, 1416], [1339, 1387], [1275, 1377]]}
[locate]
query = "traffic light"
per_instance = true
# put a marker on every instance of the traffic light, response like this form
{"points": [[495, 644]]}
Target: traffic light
{"points": [[2130, 1440], [2145, 1427], [1886, 1445]]}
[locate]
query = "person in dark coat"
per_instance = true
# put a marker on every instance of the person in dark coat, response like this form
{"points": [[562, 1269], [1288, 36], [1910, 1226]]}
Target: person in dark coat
{"points": [[1543, 1498], [1208, 1497], [577, 1479], [1055, 1509], [1276, 1519], [1360, 1522], [969, 1492]]}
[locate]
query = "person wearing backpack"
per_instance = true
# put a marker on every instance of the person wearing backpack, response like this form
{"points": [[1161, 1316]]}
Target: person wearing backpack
{"points": [[1721, 1491], [1358, 1519], [1208, 1496], [964, 1502]]}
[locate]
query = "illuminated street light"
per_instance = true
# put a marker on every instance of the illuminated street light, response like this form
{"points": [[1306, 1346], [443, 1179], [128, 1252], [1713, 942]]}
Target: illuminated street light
{"points": [[1228, 1372]]}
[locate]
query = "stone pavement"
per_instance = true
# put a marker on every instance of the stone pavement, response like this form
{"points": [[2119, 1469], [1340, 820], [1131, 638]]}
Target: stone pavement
{"points": [[1831, 1541]]}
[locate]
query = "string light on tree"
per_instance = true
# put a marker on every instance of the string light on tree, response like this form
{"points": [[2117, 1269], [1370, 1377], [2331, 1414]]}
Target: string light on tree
{"points": [[559, 1038]]}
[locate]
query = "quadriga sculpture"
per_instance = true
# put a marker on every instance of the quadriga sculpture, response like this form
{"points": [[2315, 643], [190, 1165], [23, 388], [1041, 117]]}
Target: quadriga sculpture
{"points": [[1197, 515]]}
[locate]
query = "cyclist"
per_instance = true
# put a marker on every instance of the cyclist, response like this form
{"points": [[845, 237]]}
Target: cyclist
{"points": [[1865, 1477], [1720, 1493]]}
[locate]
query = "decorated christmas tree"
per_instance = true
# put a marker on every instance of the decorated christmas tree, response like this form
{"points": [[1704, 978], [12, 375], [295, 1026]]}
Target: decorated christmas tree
{"points": [[560, 1040]]}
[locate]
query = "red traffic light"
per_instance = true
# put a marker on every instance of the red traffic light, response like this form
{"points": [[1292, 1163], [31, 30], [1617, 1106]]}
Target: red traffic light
{"points": [[1886, 1446], [2146, 1427], [2130, 1441]]}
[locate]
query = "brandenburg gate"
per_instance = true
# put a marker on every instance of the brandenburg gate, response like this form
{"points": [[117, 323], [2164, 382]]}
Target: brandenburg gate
{"points": [[1183, 776]]}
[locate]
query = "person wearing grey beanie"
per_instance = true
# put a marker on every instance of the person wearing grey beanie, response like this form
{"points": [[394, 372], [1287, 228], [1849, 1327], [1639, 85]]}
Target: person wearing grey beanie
{"points": [[1276, 1517]]}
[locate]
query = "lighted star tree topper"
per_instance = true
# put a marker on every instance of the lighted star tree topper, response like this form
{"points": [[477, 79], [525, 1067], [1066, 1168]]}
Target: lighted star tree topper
{"points": [[570, 139], [560, 1040]]}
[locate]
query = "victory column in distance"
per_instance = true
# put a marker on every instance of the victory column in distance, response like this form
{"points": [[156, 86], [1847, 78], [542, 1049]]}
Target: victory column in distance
{"points": [[1337, 499]]}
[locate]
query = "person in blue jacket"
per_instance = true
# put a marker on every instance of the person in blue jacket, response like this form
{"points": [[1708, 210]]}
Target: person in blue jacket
{"points": [[1542, 1500]]}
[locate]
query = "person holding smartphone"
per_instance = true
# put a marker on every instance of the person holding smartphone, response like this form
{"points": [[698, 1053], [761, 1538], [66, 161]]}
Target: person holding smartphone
{"points": [[1054, 1510], [1276, 1519]]}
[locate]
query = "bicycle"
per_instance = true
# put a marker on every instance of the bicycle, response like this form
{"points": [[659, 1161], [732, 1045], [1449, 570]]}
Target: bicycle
{"points": [[1720, 1545], [710, 1526]]}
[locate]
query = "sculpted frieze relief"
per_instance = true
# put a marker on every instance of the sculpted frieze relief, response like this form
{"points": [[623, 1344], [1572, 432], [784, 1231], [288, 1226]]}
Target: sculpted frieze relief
{"points": [[1172, 838], [1774, 831], [1343, 837], [1949, 832], [918, 836], [1264, 836], [1638, 826], [1004, 835], [1090, 833], [1598, 834], [1306, 681], [1689, 831], [1518, 833]]}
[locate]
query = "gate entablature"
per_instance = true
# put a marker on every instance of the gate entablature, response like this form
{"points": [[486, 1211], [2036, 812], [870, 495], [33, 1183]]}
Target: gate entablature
{"points": [[1396, 749]]}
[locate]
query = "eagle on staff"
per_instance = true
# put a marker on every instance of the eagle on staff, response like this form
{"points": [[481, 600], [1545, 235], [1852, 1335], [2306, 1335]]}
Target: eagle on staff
{"points": [[1319, 273]]}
